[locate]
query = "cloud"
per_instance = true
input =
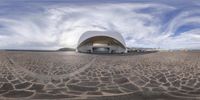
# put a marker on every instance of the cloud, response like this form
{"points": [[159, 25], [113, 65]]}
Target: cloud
{"points": [[61, 25]]}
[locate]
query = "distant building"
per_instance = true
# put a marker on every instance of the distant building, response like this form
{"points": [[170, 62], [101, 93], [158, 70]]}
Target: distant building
{"points": [[137, 49], [101, 42]]}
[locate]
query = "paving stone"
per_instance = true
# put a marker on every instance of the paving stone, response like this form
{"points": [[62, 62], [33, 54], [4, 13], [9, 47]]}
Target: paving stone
{"points": [[81, 88], [65, 79], [7, 87], [3, 80], [18, 94], [10, 77], [94, 75], [61, 85], [152, 78], [171, 79], [106, 79], [83, 77], [176, 83], [145, 89], [95, 79], [106, 74], [187, 88], [153, 84], [137, 96], [28, 78], [130, 86], [197, 85], [144, 78], [117, 76], [3, 91], [158, 89], [50, 86], [51, 96], [113, 91], [161, 75], [179, 94], [121, 80], [94, 93], [73, 81], [55, 81], [196, 92], [163, 80], [124, 90], [191, 82], [57, 91], [183, 82], [184, 79], [16, 82], [23, 85], [171, 75], [76, 92], [88, 83], [37, 87], [112, 86], [140, 83], [184, 91], [172, 89], [102, 85], [134, 78]]}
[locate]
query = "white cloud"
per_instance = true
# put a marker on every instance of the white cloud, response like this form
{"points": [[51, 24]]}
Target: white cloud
{"points": [[123, 18], [62, 25]]}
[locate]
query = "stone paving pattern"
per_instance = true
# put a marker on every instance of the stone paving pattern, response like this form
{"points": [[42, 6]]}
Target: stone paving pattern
{"points": [[62, 75]]}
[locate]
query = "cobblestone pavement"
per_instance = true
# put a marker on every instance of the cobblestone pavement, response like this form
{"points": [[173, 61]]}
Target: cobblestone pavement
{"points": [[62, 75]]}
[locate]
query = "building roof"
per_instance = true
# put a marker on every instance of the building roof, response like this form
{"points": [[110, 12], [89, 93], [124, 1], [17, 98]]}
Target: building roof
{"points": [[90, 34]]}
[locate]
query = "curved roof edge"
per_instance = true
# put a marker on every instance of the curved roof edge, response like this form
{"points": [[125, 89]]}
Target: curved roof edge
{"points": [[111, 34]]}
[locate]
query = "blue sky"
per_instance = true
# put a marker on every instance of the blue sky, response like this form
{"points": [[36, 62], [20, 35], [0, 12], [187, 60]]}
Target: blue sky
{"points": [[52, 24]]}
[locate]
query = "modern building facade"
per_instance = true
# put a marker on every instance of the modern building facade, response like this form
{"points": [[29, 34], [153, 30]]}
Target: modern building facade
{"points": [[101, 42]]}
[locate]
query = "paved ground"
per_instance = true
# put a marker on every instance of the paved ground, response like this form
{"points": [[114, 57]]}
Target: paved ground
{"points": [[61, 75]]}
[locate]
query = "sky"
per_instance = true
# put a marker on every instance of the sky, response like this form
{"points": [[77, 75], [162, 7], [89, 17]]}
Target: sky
{"points": [[53, 24]]}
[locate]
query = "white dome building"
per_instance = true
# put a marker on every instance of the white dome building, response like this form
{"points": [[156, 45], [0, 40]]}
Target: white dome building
{"points": [[101, 42]]}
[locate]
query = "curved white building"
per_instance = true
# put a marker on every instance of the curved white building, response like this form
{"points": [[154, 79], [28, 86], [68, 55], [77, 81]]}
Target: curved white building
{"points": [[101, 42]]}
